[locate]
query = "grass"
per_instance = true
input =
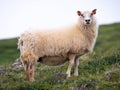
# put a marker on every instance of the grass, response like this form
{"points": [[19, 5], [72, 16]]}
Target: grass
{"points": [[8, 51], [97, 71]]}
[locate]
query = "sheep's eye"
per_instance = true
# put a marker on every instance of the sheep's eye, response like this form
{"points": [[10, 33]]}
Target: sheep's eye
{"points": [[91, 15], [82, 15]]}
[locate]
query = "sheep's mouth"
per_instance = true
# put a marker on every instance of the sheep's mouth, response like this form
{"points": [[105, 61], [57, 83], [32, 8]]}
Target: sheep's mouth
{"points": [[87, 23]]}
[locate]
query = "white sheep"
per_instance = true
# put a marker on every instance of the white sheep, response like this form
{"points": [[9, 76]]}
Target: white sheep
{"points": [[58, 46]]}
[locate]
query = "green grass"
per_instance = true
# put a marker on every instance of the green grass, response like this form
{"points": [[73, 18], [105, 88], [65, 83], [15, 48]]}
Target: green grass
{"points": [[97, 71], [8, 51], [108, 38]]}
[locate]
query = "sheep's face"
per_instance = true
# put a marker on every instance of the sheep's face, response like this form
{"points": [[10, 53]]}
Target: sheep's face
{"points": [[87, 17]]}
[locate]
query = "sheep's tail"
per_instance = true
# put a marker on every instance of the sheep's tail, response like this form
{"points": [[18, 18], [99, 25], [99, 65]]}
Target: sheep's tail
{"points": [[20, 43], [23, 38]]}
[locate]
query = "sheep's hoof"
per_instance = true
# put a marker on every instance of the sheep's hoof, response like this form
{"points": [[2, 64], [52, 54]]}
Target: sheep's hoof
{"points": [[32, 80], [75, 74], [68, 75]]}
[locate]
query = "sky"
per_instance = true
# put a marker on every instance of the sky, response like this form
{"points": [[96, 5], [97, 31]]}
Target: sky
{"points": [[17, 16]]}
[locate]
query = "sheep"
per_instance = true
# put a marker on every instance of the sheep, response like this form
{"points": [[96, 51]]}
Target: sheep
{"points": [[59, 46]]}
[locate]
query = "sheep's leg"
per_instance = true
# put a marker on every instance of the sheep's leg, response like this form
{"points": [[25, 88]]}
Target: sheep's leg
{"points": [[71, 62], [29, 61], [22, 63], [30, 71], [76, 64]]}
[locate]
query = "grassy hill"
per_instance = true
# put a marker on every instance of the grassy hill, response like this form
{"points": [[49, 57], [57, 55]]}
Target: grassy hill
{"points": [[8, 51], [97, 71]]}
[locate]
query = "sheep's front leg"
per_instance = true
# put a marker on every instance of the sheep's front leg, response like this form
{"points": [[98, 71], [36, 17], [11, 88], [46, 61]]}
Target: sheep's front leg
{"points": [[71, 62], [76, 64]]}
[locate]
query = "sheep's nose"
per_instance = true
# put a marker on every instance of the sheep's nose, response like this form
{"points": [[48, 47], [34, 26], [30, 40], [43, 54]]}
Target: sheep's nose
{"points": [[87, 20]]}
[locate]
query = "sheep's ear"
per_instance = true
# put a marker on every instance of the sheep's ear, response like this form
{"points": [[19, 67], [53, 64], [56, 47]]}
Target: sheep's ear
{"points": [[79, 13], [94, 11]]}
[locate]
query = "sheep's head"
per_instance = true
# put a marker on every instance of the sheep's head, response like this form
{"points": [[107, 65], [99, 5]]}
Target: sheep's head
{"points": [[87, 17]]}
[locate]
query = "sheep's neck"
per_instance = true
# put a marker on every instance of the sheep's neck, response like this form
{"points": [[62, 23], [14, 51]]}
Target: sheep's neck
{"points": [[90, 33]]}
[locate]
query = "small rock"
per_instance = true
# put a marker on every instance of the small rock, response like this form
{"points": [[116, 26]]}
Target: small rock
{"points": [[113, 75], [17, 64], [58, 77], [2, 69]]}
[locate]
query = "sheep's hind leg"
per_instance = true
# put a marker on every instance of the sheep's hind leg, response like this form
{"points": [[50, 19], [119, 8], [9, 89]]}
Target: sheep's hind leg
{"points": [[30, 71], [71, 62], [76, 64], [29, 60]]}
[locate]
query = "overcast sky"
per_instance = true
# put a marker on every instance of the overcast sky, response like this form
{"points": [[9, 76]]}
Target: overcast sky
{"points": [[17, 16]]}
